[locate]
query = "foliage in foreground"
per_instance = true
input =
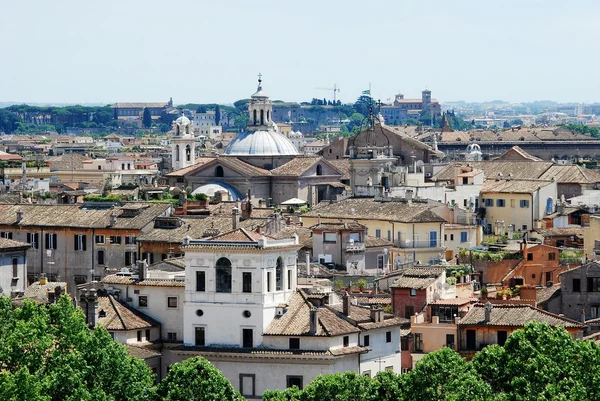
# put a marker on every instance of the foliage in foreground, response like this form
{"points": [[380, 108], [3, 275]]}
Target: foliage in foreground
{"points": [[48, 353], [536, 363]]}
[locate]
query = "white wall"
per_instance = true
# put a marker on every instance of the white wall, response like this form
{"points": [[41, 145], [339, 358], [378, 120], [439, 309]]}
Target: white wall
{"points": [[171, 319]]}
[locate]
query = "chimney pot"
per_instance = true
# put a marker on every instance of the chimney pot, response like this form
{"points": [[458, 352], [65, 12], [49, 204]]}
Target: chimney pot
{"points": [[488, 311], [346, 304], [236, 218], [19, 216], [314, 320]]}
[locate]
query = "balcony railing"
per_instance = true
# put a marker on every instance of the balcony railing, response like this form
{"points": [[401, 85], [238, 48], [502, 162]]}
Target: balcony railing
{"points": [[355, 247], [420, 244]]}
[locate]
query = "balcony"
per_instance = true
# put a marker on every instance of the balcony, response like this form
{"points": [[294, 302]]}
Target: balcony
{"points": [[420, 244]]}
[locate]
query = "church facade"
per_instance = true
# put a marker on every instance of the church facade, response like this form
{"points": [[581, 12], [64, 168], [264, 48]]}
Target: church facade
{"points": [[260, 160]]}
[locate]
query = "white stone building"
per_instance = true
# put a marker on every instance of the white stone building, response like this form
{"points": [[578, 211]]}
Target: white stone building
{"points": [[243, 312]]}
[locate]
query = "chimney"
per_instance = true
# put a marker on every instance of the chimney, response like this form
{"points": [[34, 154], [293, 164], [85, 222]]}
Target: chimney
{"points": [[57, 293], [318, 219], [346, 304], [19, 216], [142, 269], [89, 303], [314, 320], [583, 316], [488, 312], [376, 314], [236, 218], [307, 261], [113, 219]]}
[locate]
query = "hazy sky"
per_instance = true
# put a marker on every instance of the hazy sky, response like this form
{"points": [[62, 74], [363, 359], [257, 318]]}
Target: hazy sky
{"points": [[211, 51]]}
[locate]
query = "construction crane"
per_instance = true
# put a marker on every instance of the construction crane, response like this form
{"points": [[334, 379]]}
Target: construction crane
{"points": [[335, 90]]}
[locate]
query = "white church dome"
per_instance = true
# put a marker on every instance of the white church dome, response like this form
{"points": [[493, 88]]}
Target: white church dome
{"points": [[261, 143]]}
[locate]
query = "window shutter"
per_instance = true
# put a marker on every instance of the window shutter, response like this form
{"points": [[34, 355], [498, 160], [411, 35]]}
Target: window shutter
{"points": [[75, 245], [83, 242], [54, 238], [47, 241], [29, 238]]}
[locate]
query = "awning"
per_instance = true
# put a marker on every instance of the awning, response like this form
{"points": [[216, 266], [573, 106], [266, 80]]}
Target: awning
{"points": [[294, 201]]}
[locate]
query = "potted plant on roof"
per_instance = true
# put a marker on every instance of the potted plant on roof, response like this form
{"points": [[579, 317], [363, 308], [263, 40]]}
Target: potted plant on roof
{"points": [[484, 292], [361, 284]]}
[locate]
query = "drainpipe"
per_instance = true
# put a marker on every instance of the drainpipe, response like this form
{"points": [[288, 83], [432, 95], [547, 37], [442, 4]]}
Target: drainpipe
{"points": [[41, 248], [93, 253]]}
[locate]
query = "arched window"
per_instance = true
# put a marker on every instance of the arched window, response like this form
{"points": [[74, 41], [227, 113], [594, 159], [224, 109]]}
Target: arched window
{"points": [[262, 117], [219, 171], [223, 275], [255, 120], [319, 169], [177, 153], [188, 153], [279, 274], [268, 116]]}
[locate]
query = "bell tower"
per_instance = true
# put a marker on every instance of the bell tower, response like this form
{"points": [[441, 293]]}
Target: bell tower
{"points": [[183, 148]]}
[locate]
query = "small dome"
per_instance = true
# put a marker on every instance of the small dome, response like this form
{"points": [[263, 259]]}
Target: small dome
{"points": [[261, 143], [183, 120], [218, 186]]}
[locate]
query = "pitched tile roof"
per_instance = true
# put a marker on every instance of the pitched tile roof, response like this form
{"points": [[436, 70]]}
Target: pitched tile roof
{"points": [[516, 151], [296, 320], [8, 245], [196, 228], [518, 169], [199, 162], [296, 166], [545, 294], [343, 165], [141, 352], [239, 235], [417, 278], [116, 315], [37, 290], [228, 161], [304, 234], [133, 216], [515, 316], [371, 209], [513, 186], [361, 316], [128, 280], [560, 231], [338, 226], [374, 242], [571, 174]]}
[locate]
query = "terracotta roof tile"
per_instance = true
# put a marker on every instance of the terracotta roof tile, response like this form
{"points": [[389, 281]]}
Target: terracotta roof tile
{"points": [[129, 216], [296, 320], [8, 244], [515, 316], [116, 315], [239, 235], [371, 209]]}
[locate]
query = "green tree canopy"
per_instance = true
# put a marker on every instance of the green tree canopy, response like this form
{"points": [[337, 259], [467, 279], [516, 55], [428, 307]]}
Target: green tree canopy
{"points": [[49, 354], [147, 118], [196, 379], [217, 115]]}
